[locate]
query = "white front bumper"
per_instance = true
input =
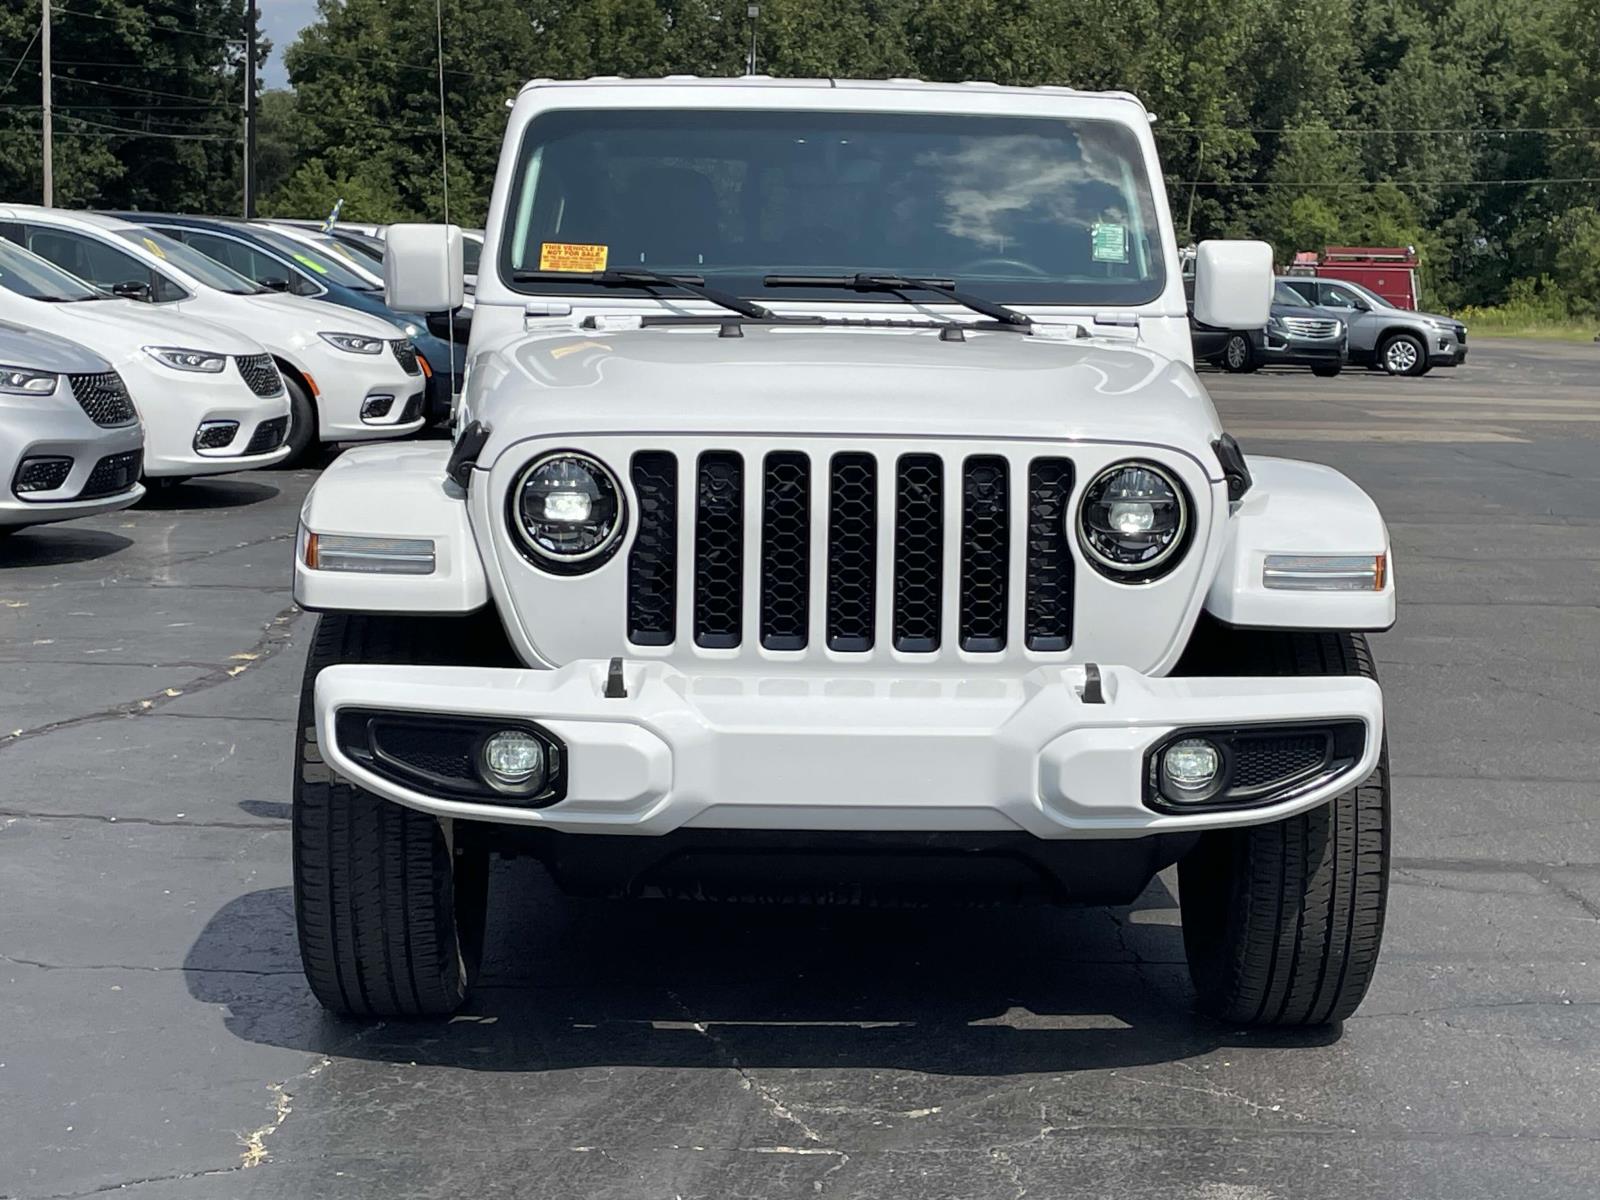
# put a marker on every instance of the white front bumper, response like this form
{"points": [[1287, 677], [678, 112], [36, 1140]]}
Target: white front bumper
{"points": [[345, 382], [804, 752]]}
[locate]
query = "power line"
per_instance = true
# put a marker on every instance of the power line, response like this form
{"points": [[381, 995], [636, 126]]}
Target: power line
{"points": [[144, 133], [12, 78], [220, 37]]}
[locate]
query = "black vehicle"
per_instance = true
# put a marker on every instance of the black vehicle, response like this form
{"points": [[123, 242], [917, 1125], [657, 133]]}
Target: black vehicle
{"points": [[1294, 336]]}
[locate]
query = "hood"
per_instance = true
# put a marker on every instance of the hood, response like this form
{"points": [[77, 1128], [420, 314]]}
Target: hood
{"points": [[40, 351], [1452, 322], [121, 329], [1304, 310], [322, 317], [823, 381]]}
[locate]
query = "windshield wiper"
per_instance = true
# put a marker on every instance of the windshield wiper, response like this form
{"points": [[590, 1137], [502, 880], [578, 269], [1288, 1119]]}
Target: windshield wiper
{"points": [[868, 282], [695, 285]]}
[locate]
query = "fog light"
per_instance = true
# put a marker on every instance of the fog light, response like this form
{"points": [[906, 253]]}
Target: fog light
{"points": [[513, 761], [1191, 769], [214, 435], [375, 408]]}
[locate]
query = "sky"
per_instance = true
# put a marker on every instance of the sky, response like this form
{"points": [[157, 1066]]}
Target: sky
{"points": [[280, 21]]}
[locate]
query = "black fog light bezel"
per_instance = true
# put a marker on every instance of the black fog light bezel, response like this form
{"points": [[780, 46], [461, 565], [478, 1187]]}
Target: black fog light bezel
{"points": [[378, 739], [36, 462], [376, 408], [207, 428], [1344, 744]]}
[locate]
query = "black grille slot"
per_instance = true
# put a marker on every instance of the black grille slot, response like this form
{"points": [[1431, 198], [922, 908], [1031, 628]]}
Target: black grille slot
{"points": [[852, 551], [406, 355], [918, 552], [412, 410], [104, 398], [785, 550], [653, 563], [719, 550], [985, 558], [1050, 567], [268, 435], [112, 474], [260, 374], [1267, 759]]}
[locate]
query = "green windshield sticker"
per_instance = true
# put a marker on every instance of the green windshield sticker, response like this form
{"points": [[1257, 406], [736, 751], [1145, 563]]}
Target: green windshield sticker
{"points": [[1109, 242], [311, 263]]}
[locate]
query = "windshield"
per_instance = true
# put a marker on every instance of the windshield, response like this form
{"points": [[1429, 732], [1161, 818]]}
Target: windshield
{"points": [[1284, 294], [29, 275], [1010, 208], [322, 265], [190, 261], [357, 258], [1371, 298], [471, 252]]}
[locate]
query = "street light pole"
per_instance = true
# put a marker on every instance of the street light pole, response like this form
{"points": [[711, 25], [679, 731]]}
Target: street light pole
{"points": [[44, 71], [249, 109], [753, 11]]}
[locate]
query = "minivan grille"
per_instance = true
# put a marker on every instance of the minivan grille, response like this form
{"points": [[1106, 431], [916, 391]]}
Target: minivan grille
{"points": [[104, 398], [260, 374], [755, 572]]}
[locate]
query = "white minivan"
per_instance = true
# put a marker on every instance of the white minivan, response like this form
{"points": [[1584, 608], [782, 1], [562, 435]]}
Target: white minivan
{"points": [[350, 376], [211, 399]]}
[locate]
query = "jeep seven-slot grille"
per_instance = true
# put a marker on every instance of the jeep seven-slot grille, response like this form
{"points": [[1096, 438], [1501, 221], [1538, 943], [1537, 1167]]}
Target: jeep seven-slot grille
{"points": [[915, 494]]}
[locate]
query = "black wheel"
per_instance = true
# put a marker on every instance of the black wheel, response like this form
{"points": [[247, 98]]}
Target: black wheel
{"points": [[1403, 354], [1238, 355], [1327, 370], [1282, 922], [390, 912], [302, 435]]}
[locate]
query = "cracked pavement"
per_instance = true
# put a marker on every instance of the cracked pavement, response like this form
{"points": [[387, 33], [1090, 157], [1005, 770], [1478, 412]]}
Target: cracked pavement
{"points": [[158, 1041]]}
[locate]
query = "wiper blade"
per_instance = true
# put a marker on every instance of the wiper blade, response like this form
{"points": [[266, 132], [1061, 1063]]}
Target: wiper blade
{"points": [[695, 285], [867, 282]]}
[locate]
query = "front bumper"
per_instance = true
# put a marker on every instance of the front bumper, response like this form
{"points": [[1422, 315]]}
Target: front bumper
{"points": [[1446, 349], [347, 385], [803, 752], [1291, 351], [60, 430]]}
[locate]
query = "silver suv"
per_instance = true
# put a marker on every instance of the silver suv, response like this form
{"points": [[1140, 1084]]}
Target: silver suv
{"points": [[1396, 340]]}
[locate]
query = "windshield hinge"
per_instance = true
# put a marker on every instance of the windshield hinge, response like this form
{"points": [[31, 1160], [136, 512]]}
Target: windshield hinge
{"points": [[547, 308], [1125, 319]]}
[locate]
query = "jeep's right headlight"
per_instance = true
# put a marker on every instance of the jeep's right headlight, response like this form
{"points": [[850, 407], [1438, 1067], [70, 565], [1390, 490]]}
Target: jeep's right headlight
{"points": [[567, 511], [1133, 521]]}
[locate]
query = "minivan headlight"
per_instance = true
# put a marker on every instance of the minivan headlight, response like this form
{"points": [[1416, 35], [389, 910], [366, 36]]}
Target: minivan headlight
{"points": [[1133, 521], [567, 510], [180, 359], [20, 381], [354, 343]]}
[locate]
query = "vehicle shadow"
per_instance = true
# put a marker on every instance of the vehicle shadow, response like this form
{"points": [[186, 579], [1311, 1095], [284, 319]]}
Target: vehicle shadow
{"points": [[213, 492], [572, 983], [58, 545]]}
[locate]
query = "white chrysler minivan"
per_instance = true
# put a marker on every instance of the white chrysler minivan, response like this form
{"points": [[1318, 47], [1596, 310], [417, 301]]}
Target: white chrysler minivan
{"points": [[210, 398], [350, 376]]}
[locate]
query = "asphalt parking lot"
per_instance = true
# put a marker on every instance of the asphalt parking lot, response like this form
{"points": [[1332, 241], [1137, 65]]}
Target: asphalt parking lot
{"points": [[156, 1037]]}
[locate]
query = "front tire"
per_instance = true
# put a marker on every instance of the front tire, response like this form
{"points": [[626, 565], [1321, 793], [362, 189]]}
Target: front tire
{"points": [[1403, 354], [390, 911], [1282, 923], [302, 437], [1238, 355], [1327, 370]]}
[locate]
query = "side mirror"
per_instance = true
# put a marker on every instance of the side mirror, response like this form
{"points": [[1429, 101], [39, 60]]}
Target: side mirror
{"points": [[275, 284], [456, 325], [131, 289], [422, 268], [1233, 284]]}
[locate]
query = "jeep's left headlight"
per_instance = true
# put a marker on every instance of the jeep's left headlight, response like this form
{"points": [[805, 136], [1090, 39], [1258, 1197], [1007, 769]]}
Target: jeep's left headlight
{"points": [[1133, 521], [180, 359], [567, 510], [354, 343]]}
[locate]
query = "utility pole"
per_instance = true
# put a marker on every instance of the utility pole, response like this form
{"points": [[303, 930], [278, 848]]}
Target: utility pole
{"points": [[44, 72], [249, 109], [753, 11]]}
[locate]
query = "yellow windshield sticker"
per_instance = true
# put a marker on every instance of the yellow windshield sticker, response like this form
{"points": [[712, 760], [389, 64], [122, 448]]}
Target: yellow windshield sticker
{"points": [[154, 247], [561, 352], [571, 256], [311, 264]]}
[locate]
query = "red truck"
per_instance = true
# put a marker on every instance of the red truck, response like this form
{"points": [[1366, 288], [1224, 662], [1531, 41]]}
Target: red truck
{"points": [[1390, 271]]}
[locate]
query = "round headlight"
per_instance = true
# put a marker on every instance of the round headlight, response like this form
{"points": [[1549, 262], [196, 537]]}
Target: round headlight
{"points": [[1133, 521], [567, 509]]}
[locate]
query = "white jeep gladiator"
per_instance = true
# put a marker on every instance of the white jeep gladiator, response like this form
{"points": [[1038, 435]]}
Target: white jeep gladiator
{"points": [[833, 513]]}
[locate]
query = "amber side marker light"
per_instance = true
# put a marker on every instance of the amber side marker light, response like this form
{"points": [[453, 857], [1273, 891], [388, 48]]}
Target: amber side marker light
{"points": [[366, 555], [427, 371], [1325, 572]]}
